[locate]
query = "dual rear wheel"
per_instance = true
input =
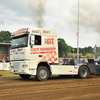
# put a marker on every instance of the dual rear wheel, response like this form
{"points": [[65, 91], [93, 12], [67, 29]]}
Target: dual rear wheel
{"points": [[83, 72]]}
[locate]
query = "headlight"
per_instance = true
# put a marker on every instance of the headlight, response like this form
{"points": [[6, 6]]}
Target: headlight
{"points": [[24, 66]]}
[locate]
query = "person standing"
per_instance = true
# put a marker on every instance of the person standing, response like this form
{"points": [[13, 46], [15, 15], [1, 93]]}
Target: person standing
{"points": [[3, 60], [8, 59]]}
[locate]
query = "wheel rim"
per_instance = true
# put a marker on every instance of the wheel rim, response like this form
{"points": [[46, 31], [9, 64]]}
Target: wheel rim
{"points": [[84, 72], [43, 74]]}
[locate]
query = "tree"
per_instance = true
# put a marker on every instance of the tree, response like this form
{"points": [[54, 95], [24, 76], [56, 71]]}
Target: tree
{"points": [[62, 48], [83, 53], [69, 49], [84, 50], [98, 51], [90, 49], [5, 36]]}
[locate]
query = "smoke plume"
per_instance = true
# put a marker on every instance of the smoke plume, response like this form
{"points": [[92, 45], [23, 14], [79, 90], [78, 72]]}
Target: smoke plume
{"points": [[38, 11]]}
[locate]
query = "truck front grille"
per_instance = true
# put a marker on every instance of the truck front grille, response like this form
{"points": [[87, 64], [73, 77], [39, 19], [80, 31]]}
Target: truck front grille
{"points": [[16, 65]]}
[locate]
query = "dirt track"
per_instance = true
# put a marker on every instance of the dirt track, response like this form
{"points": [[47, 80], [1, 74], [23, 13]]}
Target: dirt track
{"points": [[55, 88]]}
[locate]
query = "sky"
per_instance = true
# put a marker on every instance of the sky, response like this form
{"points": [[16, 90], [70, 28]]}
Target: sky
{"points": [[59, 15]]}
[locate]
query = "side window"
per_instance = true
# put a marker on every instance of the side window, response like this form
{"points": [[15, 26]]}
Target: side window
{"points": [[37, 40]]}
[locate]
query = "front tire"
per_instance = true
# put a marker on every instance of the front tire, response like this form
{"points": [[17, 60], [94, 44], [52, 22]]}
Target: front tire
{"points": [[83, 72], [42, 73], [24, 76]]}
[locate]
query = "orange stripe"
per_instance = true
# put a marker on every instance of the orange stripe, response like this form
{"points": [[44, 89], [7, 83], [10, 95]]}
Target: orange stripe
{"points": [[42, 52]]}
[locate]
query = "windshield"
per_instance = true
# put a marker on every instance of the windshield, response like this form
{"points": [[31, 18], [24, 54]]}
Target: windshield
{"points": [[19, 42]]}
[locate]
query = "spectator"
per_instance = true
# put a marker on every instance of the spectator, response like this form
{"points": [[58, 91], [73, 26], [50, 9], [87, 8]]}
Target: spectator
{"points": [[8, 59], [3, 60], [60, 61]]}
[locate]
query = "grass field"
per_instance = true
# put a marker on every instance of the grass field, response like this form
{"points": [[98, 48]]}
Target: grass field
{"points": [[7, 74]]}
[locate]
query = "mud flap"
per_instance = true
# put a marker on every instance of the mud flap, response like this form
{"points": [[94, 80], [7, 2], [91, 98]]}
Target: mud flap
{"points": [[94, 69]]}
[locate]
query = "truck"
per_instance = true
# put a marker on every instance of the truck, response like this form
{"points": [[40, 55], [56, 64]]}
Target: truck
{"points": [[34, 52]]}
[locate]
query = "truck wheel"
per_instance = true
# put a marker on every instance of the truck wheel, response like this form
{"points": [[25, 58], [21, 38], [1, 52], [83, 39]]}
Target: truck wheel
{"points": [[83, 72], [42, 73], [24, 76]]}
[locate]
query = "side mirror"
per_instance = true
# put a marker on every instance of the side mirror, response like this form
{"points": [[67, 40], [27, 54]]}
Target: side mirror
{"points": [[32, 39]]}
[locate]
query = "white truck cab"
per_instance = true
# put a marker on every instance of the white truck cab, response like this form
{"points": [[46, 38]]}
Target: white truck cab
{"points": [[34, 51]]}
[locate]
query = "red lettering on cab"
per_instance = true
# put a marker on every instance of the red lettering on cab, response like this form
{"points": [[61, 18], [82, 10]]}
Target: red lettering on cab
{"points": [[34, 49], [49, 41]]}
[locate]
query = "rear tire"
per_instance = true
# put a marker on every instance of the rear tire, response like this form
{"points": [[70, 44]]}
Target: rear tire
{"points": [[83, 72], [24, 76], [42, 73]]}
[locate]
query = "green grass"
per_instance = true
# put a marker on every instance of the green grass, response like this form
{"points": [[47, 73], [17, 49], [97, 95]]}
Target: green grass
{"points": [[7, 74]]}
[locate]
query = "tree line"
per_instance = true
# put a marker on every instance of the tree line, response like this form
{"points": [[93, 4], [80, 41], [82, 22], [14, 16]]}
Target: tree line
{"points": [[64, 49]]}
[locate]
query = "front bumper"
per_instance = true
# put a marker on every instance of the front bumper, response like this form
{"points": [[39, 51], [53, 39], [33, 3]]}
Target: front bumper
{"points": [[21, 67]]}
